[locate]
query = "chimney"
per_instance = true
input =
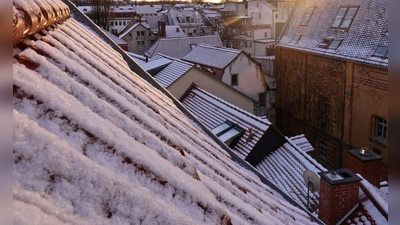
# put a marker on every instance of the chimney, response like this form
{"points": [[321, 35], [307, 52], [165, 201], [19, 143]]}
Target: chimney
{"points": [[161, 28], [366, 163], [338, 194]]}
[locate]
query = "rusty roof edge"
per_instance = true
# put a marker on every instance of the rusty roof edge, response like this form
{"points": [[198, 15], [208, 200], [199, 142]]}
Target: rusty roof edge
{"points": [[78, 15]]}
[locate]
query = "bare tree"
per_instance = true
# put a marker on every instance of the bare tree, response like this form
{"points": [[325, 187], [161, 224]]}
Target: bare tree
{"points": [[101, 12]]}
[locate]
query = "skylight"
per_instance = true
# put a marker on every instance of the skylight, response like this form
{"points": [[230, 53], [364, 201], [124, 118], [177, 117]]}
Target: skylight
{"points": [[229, 133], [330, 43], [295, 39], [344, 17], [308, 15], [381, 51]]}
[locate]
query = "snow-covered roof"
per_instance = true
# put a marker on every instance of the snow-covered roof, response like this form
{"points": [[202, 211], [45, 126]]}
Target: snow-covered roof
{"points": [[174, 14], [139, 59], [179, 47], [284, 165], [302, 142], [122, 9], [115, 38], [106, 147], [216, 57], [368, 29], [173, 31], [158, 63], [146, 9], [132, 27], [172, 72]]}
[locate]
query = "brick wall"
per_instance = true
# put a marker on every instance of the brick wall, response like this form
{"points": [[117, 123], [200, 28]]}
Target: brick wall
{"points": [[370, 170], [336, 200]]}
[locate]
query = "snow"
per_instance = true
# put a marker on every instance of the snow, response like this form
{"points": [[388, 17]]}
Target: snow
{"points": [[96, 144]]}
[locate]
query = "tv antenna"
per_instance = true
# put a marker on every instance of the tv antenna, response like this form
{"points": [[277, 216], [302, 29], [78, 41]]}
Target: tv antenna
{"points": [[311, 179]]}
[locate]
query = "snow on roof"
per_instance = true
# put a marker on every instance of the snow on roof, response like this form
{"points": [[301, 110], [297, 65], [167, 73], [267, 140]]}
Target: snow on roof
{"points": [[173, 31], [161, 62], [140, 59], [359, 41], [302, 142], [122, 9], [115, 38], [179, 47], [172, 72], [284, 166], [213, 111], [146, 9], [217, 57], [107, 147], [129, 29]]}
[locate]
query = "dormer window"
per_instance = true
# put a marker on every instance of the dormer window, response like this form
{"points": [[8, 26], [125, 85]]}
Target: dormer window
{"points": [[308, 15], [229, 133], [334, 44], [295, 39], [344, 17], [381, 51]]}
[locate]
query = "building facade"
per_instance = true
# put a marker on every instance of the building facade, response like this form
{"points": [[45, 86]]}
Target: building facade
{"points": [[332, 78]]}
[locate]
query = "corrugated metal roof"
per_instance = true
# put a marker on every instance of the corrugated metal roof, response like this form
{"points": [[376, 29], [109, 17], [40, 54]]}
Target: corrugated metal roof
{"points": [[172, 72]]}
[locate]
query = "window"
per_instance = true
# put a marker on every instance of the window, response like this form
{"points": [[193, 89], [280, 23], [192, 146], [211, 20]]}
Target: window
{"points": [[250, 45], [112, 23], [266, 34], [124, 23], [234, 79], [381, 51], [194, 31], [295, 39], [325, 105], [142, 43], [308, 15], [344, 17], [138, 33], [380, 128], [323, 149], [120, 23], [229, 133], [183, 20], [138, 43], [142, 33], [330, 43]]}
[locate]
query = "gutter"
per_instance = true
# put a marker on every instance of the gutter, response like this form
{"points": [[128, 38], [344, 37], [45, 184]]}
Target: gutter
{"points": [[78, 15]]}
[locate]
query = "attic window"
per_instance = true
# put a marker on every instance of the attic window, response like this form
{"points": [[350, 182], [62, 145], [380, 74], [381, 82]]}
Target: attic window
{"points": [[330, 43], [381, 51], [192, 46], [308, 15], [344, 17], [295, 38], [229, 133]]}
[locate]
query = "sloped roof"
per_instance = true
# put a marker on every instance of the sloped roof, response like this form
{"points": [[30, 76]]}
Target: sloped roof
{"points": [[171, 31], [216, 57], [302, 142], [115, 38], [107, 147], [132, 27], [284, 166], [172, 72], [147, 9], [179, 47], [366, 32], [161, 62]]}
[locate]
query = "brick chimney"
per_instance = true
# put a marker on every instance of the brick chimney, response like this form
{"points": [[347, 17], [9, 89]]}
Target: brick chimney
{"points": [[338, 194], [161, 28], [366, 163]]}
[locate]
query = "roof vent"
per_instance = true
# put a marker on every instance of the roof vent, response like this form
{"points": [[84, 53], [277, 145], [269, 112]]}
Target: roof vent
{"points": [[250, 136], [365, 151]]}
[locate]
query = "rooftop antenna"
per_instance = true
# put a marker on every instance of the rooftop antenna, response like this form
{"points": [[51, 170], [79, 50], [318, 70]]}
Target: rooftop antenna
{"points": [[311, 179]]}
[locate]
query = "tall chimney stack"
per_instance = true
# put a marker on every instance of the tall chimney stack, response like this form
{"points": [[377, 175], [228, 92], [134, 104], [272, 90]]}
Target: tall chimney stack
{"points": [[366, 163], [161, 28], [338, 194]]}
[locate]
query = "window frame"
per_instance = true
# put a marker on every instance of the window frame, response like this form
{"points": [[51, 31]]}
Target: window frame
{"points": [[381, 55], [340, 19], [229, 133], [380, 128], [323, 149], [235, 79], [308, 15]]}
